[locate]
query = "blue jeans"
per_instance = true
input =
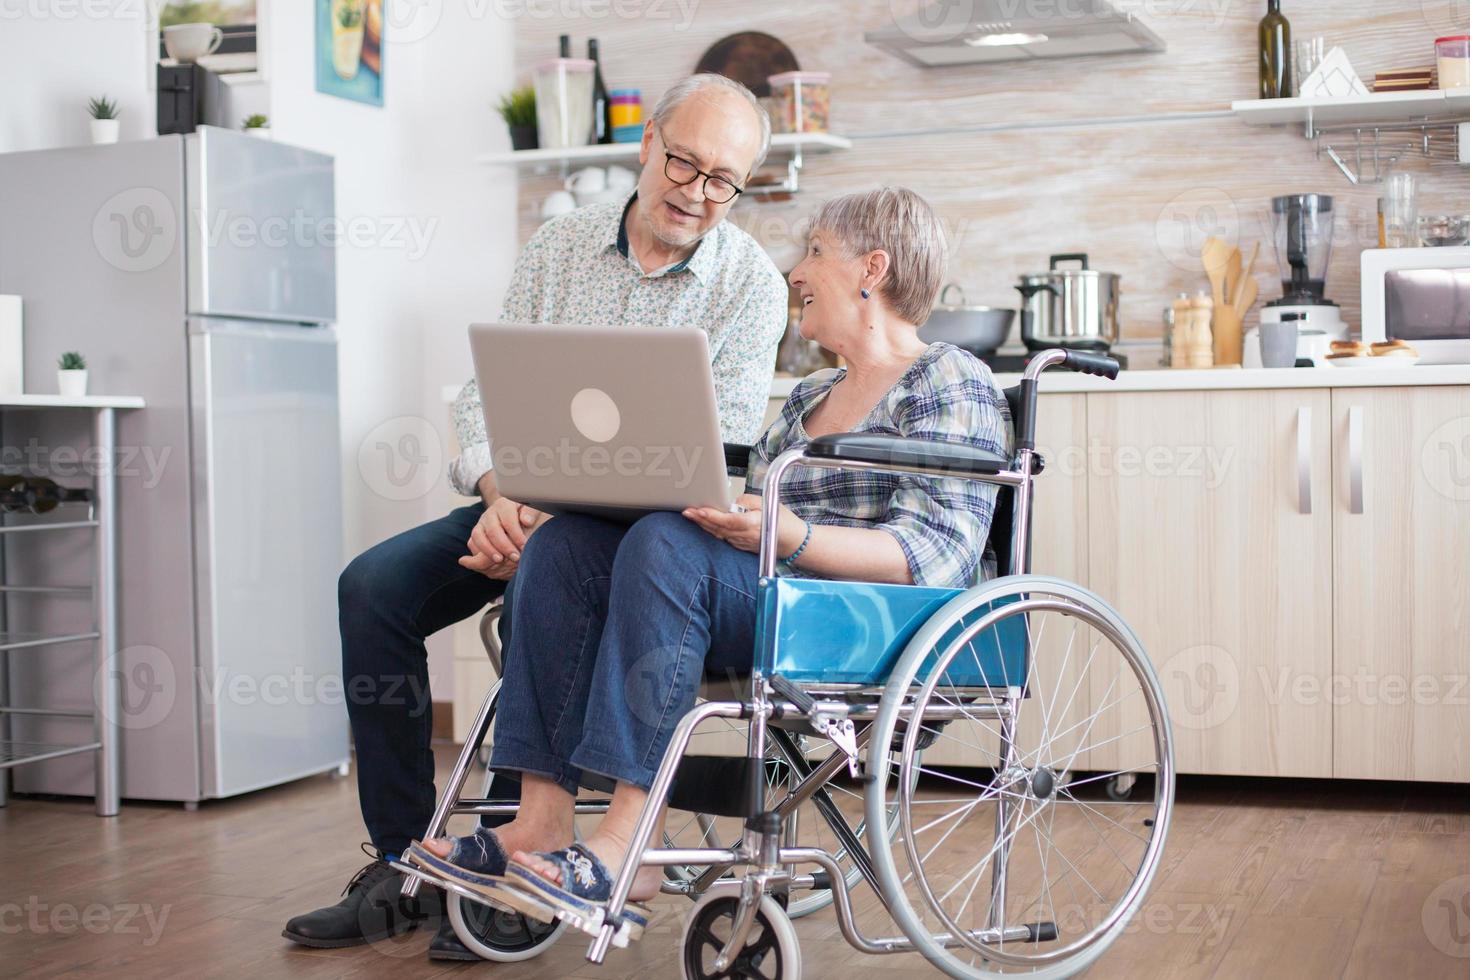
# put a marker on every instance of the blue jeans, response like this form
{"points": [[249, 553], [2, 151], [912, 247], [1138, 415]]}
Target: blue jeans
{"points": [[388, 600], [615, 627]]}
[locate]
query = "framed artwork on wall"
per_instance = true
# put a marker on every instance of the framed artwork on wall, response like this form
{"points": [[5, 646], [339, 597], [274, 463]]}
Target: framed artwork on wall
{"points": [[349, 49]]}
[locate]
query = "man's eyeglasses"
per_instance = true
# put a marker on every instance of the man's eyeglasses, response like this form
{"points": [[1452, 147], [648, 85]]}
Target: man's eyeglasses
{"points": [[717, 190]]}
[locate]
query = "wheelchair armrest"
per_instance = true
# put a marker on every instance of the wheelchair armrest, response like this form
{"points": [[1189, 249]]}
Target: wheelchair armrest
{"points": [[882, 450], [737, 459]]}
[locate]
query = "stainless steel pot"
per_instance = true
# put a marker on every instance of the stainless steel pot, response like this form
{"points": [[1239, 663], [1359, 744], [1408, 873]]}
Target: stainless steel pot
{"points": [[1075, 308], [977, 329]]}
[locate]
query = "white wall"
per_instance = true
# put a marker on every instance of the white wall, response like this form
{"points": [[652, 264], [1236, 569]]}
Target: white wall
{"points": [[437, 232], [58, 54], [442, 245]]}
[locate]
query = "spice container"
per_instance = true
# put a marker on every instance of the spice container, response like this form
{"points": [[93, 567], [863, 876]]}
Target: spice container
{"points": [[564, 102], [626, 110], [1453, 56], [802, 101]]}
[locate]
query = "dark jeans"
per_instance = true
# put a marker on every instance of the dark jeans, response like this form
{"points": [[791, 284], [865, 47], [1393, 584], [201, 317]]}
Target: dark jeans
{"points": [[615, 627], [389, 599]]}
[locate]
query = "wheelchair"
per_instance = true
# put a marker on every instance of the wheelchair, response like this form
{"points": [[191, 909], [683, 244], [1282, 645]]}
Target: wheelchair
{"points": [[1005, 750]]}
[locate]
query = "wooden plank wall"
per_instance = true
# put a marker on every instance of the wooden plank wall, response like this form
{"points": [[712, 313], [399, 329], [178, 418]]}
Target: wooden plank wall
{"points": [[1138, 196]]}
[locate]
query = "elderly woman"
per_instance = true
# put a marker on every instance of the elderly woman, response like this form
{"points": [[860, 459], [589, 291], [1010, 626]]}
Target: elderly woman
{"points": [[615, 625]]}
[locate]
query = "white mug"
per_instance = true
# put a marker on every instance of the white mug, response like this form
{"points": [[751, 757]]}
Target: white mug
{"points": [[592, 180], [621, 178], [557, 203], [187, 43]]}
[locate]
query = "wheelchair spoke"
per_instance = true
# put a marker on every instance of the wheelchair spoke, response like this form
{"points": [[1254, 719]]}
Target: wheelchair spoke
{"points": [[1111, 739], [1086, 809]]}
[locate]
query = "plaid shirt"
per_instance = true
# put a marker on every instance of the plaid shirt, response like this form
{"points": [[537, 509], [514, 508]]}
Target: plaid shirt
{"points": [[942, 524]]}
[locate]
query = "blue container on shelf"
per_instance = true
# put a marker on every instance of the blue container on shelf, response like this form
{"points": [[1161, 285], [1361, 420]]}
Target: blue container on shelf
{"points": [[628, 134]]}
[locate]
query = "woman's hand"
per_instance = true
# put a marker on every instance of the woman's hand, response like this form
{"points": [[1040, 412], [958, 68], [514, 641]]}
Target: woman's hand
{"points": [[744, 530]]}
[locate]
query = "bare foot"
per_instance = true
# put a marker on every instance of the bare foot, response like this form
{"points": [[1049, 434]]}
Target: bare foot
{"points": [[610, 852], [512, 837]]}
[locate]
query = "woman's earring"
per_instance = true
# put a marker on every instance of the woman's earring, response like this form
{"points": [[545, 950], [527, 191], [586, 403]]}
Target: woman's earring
{"points": [[865, 293]]}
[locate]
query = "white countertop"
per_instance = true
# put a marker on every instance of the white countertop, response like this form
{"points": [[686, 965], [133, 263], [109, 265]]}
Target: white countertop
{"points": [[1223, 379], [60, 401], [1228, 378]]}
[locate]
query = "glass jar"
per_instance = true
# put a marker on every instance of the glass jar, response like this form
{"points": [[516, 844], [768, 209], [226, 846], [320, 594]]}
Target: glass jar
{"points": [[802, 101]]}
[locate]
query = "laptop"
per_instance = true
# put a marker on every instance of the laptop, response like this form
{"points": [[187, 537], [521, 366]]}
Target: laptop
{"points": [[612, 421]]}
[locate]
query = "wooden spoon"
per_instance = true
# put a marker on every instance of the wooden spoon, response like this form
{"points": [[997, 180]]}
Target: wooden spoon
{"points": [[1232, 273], [1216, 256], [1249, 277]]}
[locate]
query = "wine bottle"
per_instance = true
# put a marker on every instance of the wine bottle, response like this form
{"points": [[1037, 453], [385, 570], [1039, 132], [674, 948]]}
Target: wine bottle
{"points": [[566, 45], [37, 494], [601, 104], [1275, 66]]}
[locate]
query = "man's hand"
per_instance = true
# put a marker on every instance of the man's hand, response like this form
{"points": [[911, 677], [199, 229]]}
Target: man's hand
{"points": [[500, 536], [743, 530]]}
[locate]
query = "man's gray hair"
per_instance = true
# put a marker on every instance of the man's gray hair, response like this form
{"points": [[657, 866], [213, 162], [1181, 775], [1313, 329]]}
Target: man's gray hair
{"points": [[901, 223], [682, 90]]}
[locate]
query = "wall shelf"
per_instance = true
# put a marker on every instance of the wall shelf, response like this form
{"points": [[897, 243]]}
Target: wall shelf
{"points": [[541, 161], [1363, 111], [1360, 123]]}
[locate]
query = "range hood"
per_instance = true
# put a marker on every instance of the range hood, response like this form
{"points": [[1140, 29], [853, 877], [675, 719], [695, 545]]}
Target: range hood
{"points": [[970, 32]]}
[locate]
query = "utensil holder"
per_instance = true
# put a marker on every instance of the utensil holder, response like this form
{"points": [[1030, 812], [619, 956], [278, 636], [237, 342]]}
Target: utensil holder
{"points": [[1226, 335]]}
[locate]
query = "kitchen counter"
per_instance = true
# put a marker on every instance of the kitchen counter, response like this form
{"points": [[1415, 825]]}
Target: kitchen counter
{"points": [[1231, 378], [1211, 379]]}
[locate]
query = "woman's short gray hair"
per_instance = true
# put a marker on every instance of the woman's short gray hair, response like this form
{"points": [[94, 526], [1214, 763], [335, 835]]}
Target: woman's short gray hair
{"points": [[901, 223], [682, 90]]}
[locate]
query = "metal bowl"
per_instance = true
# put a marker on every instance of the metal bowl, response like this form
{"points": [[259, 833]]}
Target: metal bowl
{"points": [[977, 329]]}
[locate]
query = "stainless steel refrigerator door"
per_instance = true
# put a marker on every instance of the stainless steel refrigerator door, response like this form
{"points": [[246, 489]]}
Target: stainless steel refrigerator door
{"points": [[268, 541], [261, 229]]}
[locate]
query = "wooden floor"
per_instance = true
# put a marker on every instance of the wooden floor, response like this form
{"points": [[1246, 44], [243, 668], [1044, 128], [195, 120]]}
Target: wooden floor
{"points": [[1261, 879]]}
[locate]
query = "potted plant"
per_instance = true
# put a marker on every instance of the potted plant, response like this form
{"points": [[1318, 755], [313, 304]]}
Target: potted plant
{"points": [[104, 119], [71, 375], [257, 125], [518, 109]]}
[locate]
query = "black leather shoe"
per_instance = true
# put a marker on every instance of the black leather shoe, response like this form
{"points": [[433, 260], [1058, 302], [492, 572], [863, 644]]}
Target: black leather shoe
{"points": [[446, 945], [371, 909]]}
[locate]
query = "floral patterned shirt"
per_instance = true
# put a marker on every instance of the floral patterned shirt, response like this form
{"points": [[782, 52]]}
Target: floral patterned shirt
{"points": [[943, 525], [579, 268]]}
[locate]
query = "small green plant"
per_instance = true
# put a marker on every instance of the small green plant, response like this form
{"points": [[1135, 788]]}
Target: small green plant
{"points": [[72, 361], [255, 121], [102, 108], [518, 107], [349, 15]]}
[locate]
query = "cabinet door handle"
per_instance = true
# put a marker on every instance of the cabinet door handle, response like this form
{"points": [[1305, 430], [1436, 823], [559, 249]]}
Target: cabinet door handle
{"points": [[1355, 459], [1304, 459]]}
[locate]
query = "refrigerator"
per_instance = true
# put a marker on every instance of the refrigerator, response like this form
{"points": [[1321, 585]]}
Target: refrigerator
{"points": [[197, 271]]}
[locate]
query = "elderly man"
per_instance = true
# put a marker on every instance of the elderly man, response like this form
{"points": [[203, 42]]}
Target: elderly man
{"points": [[666, 257]]}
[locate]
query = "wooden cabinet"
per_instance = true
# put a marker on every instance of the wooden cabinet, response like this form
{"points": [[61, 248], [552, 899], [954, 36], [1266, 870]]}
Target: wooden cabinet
{"points": [[1210, 530], [1401, 583]]}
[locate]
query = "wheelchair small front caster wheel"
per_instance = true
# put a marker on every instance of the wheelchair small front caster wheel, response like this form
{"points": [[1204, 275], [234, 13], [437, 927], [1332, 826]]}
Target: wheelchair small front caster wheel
{"points": [[498, 935], [1120, 787], [770, 950]]}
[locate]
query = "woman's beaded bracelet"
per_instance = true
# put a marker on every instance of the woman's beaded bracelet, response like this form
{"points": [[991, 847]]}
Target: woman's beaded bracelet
{"points": [[790, 560]]}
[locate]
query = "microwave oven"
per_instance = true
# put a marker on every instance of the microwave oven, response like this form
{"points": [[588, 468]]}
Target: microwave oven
{"points": [[1420, 296]]}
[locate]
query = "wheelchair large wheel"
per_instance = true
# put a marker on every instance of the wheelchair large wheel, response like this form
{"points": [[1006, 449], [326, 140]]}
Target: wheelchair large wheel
{"points": [[1020, 864]]}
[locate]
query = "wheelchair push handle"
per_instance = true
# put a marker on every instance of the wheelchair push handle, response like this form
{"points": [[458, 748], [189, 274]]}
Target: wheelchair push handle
{"points": [[1086, 363]]}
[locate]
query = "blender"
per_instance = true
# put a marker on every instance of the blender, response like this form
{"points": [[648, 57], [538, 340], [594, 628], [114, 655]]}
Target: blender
{"points": [[1301, 226]]}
